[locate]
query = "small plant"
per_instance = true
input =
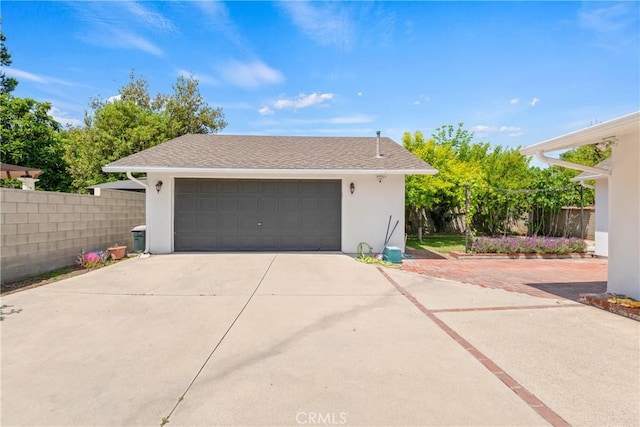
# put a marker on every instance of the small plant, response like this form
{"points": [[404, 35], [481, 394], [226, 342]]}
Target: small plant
{"points": [[92, 259], [528, 245]]}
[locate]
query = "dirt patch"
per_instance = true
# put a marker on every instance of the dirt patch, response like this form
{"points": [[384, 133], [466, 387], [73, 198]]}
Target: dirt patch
{"points": [[51, 277]]}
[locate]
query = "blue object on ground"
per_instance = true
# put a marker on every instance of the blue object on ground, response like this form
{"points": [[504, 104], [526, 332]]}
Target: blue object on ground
{"points": [[392, 254]]}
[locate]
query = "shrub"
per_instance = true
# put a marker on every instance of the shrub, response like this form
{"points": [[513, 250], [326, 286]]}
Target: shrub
{"points": [[528, 245]]}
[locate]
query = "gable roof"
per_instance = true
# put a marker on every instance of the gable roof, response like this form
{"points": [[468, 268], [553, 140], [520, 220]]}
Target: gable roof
{"points": [[249, 153], [605, 164]]}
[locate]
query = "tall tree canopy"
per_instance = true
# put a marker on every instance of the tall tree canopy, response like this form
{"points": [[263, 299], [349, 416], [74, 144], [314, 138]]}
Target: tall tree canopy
{"points": [[31, 137], [135, 121], [7, 84]]}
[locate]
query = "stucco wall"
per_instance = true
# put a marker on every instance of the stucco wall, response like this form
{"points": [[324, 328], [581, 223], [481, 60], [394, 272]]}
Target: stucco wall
{"points": [[364, 214], [624, 220], [602, 217], [42, 231]]}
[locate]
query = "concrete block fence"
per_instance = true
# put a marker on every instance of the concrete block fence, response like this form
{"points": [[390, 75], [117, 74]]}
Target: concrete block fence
{"points": [[42, 231]]}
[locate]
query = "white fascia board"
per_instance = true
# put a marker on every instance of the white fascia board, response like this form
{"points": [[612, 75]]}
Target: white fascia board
{"points": [[588, 176], [624, 125], [177, 170]]}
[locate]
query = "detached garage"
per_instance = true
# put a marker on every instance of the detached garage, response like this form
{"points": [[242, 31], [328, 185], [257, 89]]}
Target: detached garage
{"points": [[272, 193]]}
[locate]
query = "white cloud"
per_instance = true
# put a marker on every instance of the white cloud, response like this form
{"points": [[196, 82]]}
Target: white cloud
{"points": [[421, 98], [148, 17], [202, 78], [514, 101], [220, 21], [606, 19], [509, 129], [130, 40], [250, 75], [534, 101], [113, 98], [328, 23], [302, 101], [61, 117], [38, 78], [486, 130], [359, 94], [118, 24], [265, 111], [339, 120], [483, 129]]}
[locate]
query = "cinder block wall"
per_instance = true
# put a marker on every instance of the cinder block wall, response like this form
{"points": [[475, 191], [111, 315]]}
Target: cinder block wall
{"points": [[42, 231]]}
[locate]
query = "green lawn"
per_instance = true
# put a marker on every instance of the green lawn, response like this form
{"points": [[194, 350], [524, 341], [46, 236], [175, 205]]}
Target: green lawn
{"points": [[441, 244]]}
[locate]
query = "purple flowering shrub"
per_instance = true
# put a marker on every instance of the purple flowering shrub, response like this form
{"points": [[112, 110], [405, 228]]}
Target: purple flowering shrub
{"points": [[528, 245]]}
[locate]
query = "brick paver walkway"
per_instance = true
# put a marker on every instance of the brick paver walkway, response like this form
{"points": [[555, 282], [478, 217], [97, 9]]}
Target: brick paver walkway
{"points": [[547, 278]]}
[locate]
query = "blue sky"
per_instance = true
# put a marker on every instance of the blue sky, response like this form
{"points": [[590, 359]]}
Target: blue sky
{"points": [[515, 73]]}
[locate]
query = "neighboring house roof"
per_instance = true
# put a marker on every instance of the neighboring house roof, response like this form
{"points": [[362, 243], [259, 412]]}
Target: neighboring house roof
{"points": [[248, 153], [615, 129], [119, 185], [605, 164], [8, 171]]}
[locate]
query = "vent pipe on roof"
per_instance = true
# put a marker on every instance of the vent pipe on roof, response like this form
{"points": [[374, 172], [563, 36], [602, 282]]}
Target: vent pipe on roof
{"points": [[378, 155]]}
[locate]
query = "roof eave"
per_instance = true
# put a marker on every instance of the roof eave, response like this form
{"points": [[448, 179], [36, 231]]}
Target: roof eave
{"points": [[586, 136], [242, 171]]}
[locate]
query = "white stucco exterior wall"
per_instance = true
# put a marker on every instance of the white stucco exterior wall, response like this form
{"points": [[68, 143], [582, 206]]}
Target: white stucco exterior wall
{"points": [[602, 217], [624, 219], [365, 214]]}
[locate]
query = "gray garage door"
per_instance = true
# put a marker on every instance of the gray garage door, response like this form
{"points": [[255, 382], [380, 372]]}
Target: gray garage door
{"points": [[257, 215]]}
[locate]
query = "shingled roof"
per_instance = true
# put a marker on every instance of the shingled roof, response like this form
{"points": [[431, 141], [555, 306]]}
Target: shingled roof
{"points": [[272, 153]]}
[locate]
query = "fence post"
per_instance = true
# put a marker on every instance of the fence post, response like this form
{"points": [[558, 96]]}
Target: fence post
{"points": [[581, 212], [467, 204]]}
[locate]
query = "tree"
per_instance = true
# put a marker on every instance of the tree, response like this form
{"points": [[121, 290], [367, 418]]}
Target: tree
{"points": [[116, 130], [7, 84], [31, 137], [189, 113], [135, 121], [493, 177]]}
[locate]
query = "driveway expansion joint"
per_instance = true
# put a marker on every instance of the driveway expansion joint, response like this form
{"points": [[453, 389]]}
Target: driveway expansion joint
{"points": [[525, 395], [165, 420]]}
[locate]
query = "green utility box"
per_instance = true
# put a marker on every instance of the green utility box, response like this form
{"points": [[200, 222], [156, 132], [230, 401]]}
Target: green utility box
{"points": [[392, 254], [139, 233]]}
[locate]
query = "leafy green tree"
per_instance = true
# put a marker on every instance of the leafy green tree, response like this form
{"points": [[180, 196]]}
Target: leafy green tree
{"points": [[7, 84], [135, 121], [31, 137], [188, 112], [492, 176]]}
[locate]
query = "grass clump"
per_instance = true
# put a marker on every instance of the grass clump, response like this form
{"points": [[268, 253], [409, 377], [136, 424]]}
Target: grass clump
{"points": [[440, 244]]}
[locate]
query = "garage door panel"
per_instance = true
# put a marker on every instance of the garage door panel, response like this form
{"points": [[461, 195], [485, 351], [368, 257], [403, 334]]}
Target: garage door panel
{"points": [[224, 214], [206, 204], [205, 222], [187, 186]]}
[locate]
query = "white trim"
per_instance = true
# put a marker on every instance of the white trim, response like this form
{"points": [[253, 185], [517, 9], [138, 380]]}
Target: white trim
{"points": [[546, 159], [145, 185], [240, 171], [592, 135]]}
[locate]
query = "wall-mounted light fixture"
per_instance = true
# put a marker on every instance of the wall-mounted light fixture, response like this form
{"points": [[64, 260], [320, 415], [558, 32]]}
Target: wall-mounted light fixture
{"points": [[380, 177], [352, 187], [158, 186]]}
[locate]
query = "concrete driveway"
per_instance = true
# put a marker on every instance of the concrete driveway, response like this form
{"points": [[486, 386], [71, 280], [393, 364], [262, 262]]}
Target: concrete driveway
{"points": [[307, 339]]}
